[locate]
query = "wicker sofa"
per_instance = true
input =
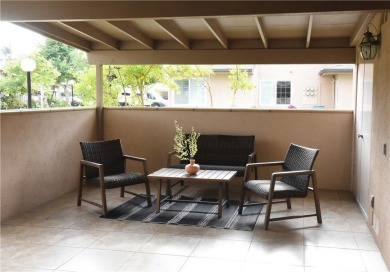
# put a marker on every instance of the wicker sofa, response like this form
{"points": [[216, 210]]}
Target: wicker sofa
{"points": [[222, 152]]}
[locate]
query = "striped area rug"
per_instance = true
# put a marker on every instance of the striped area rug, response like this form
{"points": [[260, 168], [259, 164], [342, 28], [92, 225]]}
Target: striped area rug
{"points": [[194, 214]]}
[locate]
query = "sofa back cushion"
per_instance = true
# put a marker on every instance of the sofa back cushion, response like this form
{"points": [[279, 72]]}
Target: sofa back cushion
{"points": [[224, 149]]}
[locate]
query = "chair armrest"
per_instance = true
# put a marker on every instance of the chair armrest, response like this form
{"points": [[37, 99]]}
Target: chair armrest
{"points": [[251, 166], [128, 157], [138, 159], [93, 164], [262, 164], [292, 173], [100, 166], [170, 154], [252, 157]]}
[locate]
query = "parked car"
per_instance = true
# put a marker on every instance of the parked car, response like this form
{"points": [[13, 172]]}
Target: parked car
{"points": [[151, 99]]}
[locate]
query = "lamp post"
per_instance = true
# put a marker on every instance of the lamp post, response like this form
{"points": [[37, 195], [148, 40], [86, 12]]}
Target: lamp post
{"points": [[71, 83], [28, 65]]}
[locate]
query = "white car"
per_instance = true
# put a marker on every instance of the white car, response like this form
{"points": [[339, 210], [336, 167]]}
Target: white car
{"points": [[151, 99]]}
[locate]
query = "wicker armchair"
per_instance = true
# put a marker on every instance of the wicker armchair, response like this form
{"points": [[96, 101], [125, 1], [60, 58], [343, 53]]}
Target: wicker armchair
{"points": [[294, 182], [104, 166]]}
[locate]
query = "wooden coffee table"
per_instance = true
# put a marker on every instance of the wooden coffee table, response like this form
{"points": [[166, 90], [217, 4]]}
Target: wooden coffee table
{"points": [[203, 176]]}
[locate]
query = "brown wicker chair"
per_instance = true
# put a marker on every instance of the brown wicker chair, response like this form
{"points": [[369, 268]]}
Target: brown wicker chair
{"points": [[104, 165], [294, 182]]}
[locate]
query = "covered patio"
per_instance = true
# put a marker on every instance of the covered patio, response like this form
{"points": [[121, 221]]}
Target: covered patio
{"points": [[40, 151]]}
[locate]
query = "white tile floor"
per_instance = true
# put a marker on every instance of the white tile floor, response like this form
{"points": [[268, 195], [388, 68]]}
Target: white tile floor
{"points": [[59, 236]]}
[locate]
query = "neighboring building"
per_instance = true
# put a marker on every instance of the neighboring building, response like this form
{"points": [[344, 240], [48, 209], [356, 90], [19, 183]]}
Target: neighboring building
{"points": [[276, 86]]}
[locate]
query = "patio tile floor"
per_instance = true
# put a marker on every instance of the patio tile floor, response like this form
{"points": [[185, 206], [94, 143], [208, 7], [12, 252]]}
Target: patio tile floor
{"points": [[59, 236]]}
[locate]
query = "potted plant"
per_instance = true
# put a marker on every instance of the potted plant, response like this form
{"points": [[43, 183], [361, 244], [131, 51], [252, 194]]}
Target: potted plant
{"points": [[186, 147]]}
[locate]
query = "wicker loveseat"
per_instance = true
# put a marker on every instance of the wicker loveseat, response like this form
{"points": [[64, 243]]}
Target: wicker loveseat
{"points": [[222, 152]]}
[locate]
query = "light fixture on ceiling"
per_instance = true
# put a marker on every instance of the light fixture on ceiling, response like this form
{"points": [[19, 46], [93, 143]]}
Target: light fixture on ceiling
{"points": [[369, 44]]}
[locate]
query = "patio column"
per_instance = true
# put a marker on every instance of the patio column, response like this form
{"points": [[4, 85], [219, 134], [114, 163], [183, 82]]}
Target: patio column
{"points": [[99, 100]]}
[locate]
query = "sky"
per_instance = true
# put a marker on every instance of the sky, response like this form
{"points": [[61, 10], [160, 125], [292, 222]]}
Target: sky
{"points": [[22, 41]]}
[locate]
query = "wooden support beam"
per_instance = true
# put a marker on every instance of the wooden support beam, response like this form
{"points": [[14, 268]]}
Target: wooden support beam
{"points": [[217, 31], [129, 29], [94, 33], [260, 28], [309, 28], [56, 33], [174, 31]]}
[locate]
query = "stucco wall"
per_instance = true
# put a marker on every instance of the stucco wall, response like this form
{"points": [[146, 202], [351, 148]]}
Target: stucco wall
{"points": [[40, 155], [380, 164], [149, 133]]}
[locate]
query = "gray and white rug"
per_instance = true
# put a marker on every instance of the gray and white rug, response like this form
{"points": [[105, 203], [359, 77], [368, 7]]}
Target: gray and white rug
{"points": [[194, 214]]}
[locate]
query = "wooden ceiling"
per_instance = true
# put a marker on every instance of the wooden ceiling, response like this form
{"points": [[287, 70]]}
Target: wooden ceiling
{"points": [[201, 31]]}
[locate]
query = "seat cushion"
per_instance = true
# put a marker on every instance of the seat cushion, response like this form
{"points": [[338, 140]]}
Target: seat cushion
{"points": [[282, 190], [119, 180], [240, 169]]}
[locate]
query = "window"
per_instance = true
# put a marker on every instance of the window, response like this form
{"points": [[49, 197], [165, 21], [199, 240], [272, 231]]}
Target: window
{"points": [[192, 93], [275, 92], [283, 92]]}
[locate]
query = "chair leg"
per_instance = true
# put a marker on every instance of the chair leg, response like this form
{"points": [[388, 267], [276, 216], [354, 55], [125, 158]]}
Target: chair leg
{"points": [[104, 200], [288, 200], [80, 193], [242, 199], [123, 191], [147, 187], [268, 213], [316, 199]]}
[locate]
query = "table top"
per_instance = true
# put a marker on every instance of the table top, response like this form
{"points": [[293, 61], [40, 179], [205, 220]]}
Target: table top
{"points": [[181, 174]]}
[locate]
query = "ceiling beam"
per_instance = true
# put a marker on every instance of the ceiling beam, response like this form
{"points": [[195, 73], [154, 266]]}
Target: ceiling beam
{"points": [[129, 29], [174, 31], [360, 28], [260, 28], [56, 33], [248, 56], [94, 33], [309, 28], [50, 10], [217, 31]]}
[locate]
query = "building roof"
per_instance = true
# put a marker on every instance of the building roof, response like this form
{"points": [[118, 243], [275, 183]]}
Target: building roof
{"points": [[336, 70]]}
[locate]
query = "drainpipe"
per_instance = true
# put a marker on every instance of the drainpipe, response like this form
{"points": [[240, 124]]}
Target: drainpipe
{"points": [[99, 101]]}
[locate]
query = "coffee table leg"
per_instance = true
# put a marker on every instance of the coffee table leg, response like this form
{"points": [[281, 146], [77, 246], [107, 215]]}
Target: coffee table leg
{"points": [[220, 198], [158, 197], [227, 194]]}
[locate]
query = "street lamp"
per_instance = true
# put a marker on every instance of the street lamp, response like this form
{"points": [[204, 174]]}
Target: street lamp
{"points": [[71, 83], [28, 65]]}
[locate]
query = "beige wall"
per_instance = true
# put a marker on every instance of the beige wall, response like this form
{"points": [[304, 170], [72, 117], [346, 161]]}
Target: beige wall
{"points": [[223, 95], [40, 155], [345, 98], [301, 76], [380, 164], [149, 133]]}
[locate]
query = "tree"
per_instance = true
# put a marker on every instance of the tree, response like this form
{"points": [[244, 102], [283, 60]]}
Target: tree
{"points": [[69, 61], [239, 80], [138, 79], [180, 72], [85, 87], [14, 85]]}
